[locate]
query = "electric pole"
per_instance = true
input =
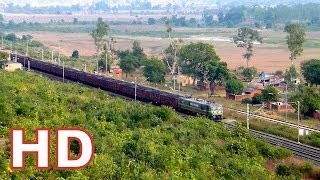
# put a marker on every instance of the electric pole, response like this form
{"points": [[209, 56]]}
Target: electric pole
{"points": [[42, 54]]}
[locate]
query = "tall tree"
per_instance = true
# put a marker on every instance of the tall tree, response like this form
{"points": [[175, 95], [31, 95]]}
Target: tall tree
{"points": [[154, 70], [311, 71], [295, 39], [171, 53], [245, 39], [195, 59], [218, 74], [99, 35], [128, 62], [137, 50]]}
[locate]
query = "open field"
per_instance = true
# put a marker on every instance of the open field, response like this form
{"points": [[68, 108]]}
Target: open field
{"points": [[269, 57]]}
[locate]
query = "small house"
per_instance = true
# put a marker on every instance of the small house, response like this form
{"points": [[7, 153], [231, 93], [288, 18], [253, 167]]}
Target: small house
{"points": [[279, 106], [247, 93], [116, 72]]}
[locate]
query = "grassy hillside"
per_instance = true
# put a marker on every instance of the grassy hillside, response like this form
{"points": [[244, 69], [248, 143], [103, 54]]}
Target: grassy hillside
{"points": [[131, 140]]}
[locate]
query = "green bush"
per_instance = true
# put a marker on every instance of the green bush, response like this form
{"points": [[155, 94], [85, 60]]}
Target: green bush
{"points": [[246, 101], [257, 99], [288, 170], [132, 140]]}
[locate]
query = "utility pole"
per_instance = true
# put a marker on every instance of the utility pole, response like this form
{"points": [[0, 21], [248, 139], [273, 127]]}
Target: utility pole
{"points": [[63, 71], [286, 101], [179, 81], [174, 84], [248, 111], [16, 59], [1, 41], [298, 102], [85, 67], [27, 52], [59, 54], [42, 54], [28, 65], [135, 89], [97, 66], [106, 61], [52, 56], [10, 47]]}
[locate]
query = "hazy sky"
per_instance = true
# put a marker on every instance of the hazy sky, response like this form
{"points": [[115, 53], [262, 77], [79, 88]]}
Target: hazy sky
{"points": [[83, 2]]}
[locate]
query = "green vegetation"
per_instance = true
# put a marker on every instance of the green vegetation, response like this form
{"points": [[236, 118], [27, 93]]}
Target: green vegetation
{"points": [[3, 58], [75, 55], [154, 70], [99, 35], [131, 140], [234, 86], [200, 61], [295, 39], [311, 71], [270, 94], [309, 98], [245, 39]]}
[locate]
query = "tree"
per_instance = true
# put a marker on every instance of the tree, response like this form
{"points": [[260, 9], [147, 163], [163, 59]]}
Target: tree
{"points": [[3, 58], [171, 53], [248, 73], [195, 59], [11, 37], [257, 99], [245, 39], [291, 74], [26, 37], [234, 16], [75, 54], [151, 21], [193, 22], [154, 70], [218, 74], [270, 94], [75, 20], [311, 71], [128, 62], [309, 98], [99, 35], [1, 19], [137, 50], [295, 39], [234, 86]]}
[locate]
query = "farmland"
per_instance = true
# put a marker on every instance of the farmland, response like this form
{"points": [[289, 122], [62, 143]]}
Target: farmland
{"points": [[270, 56]]}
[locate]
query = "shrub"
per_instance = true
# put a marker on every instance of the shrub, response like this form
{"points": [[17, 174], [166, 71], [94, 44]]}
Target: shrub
{"points": [[288, 170], [257, 99], [246, 101], [306, 168], [234, 86]]}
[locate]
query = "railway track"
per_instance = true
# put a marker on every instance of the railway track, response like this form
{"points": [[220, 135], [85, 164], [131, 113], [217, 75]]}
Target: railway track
{"points": [[298, 149], [293, 125]]}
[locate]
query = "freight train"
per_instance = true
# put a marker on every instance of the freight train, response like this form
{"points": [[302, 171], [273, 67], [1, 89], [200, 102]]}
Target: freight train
{"points": [[211, 110]]}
